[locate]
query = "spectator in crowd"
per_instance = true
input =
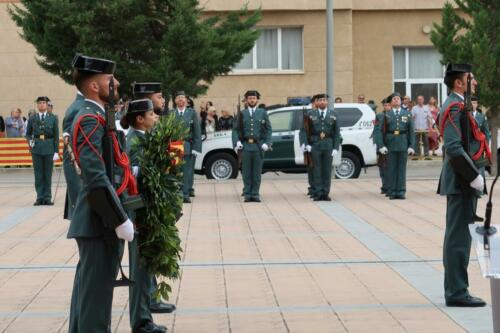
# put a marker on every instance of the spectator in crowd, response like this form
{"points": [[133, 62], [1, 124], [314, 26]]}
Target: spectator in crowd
{"points": [[50, 107], [338, 100], [406, 104], [433, 131], [190, 103], [203, 109], [372, 105], [422, 119], [2, 127], [14, 124], [211, 122], [226, 120], [261, 106], [361, 98]]}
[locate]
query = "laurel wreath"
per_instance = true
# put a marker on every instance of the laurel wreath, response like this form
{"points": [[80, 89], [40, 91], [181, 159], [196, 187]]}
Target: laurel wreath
{"points": [[160, 185]]}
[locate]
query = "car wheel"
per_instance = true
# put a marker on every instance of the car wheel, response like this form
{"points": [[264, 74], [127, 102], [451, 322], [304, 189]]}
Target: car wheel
{"points": [[350, 166], [221, 166]]}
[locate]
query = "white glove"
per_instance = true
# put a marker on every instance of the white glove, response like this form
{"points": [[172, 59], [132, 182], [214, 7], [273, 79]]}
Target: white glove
{"points": [[135, 170], [55, 157], [411, 151], [303, 148], [383, 150], [65, 134], [31, 143], [308, 148], [239, 145], [265, 147], [195, 153], [125, 231], [478, 183], [334, 153]]}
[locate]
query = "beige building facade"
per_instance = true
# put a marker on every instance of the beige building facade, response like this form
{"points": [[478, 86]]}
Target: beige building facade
{"points": [[380, 45]]}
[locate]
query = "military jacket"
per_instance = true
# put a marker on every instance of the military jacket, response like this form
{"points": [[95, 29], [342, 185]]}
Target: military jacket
{"points": [[452, 147], [400, 134], [482, 123], [45, 134], [85, 222], [257, 130], [302, 133], [193, 139], [71, 112], [325, 132]]}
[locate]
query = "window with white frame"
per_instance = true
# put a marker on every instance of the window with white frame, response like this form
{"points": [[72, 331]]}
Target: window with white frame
{"points": [[277, 49], [418, 71]]}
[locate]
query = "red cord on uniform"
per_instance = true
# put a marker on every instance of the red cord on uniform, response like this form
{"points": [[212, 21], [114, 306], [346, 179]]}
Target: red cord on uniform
{"points": [[121, 158]]}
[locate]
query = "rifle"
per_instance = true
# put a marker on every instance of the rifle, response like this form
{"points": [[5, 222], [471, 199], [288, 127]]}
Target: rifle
{"points": [[464, 116], [308, 161], [71, 155], [239, 114], [109, 160]]}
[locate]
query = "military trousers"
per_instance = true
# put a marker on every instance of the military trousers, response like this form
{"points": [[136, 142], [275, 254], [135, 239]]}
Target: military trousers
{"points": [[93, 297], [322, 171], [140, 291], [251, 169], [74, 185], [382, 171], [396, 172], [457, 244], [42, 166], [188, 174], [310, 180]]}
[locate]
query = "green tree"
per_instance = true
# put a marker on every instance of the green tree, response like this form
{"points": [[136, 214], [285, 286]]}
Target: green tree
{"points": [[470, 35], [168, 41]]}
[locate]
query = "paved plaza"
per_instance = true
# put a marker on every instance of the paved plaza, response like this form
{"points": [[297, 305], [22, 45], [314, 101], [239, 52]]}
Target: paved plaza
{"points": [[360, 263]]}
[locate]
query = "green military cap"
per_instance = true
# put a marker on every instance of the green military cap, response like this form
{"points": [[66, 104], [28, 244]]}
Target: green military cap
{"points": [[93, 65], [147, 88], [139, 105], [252, 93], [42, 99], [391, 96], [180, 93]]}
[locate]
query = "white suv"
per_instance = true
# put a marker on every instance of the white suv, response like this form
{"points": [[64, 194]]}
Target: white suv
{"points": [[219, 161]]}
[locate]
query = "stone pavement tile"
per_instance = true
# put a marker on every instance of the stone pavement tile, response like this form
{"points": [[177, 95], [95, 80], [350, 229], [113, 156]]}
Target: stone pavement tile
{"points": [[293, 286], [347, 248], [256, 322], [4, 322], [341, 286], [59, 251], [35, 324], [6, 275], [370, 321], [55, 295], [312, 249], [248, 287], [387, 285], [239, 250], [22, 288], [276, 250], [314, 322], [200, 322], [425, 320], [202, 288], [201, 251]]}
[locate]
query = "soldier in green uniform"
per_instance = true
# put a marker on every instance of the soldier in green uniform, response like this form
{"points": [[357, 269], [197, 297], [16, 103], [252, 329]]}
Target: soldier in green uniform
{"points": [[253, 137], [73, 181], [152, 91], [302, 136], [141, 119], [100, 222], [42, 133], [380, 141], [192, 143], [324, 146], [400, 140], [461, 181]]}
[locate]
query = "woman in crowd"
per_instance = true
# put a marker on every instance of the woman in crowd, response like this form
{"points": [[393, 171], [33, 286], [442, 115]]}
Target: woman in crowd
{"points": [[226, 120], [433, 131]]}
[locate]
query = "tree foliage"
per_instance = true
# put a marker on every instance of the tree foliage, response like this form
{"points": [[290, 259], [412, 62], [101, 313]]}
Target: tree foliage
{"points": [[473, 38], [168, 41]]}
